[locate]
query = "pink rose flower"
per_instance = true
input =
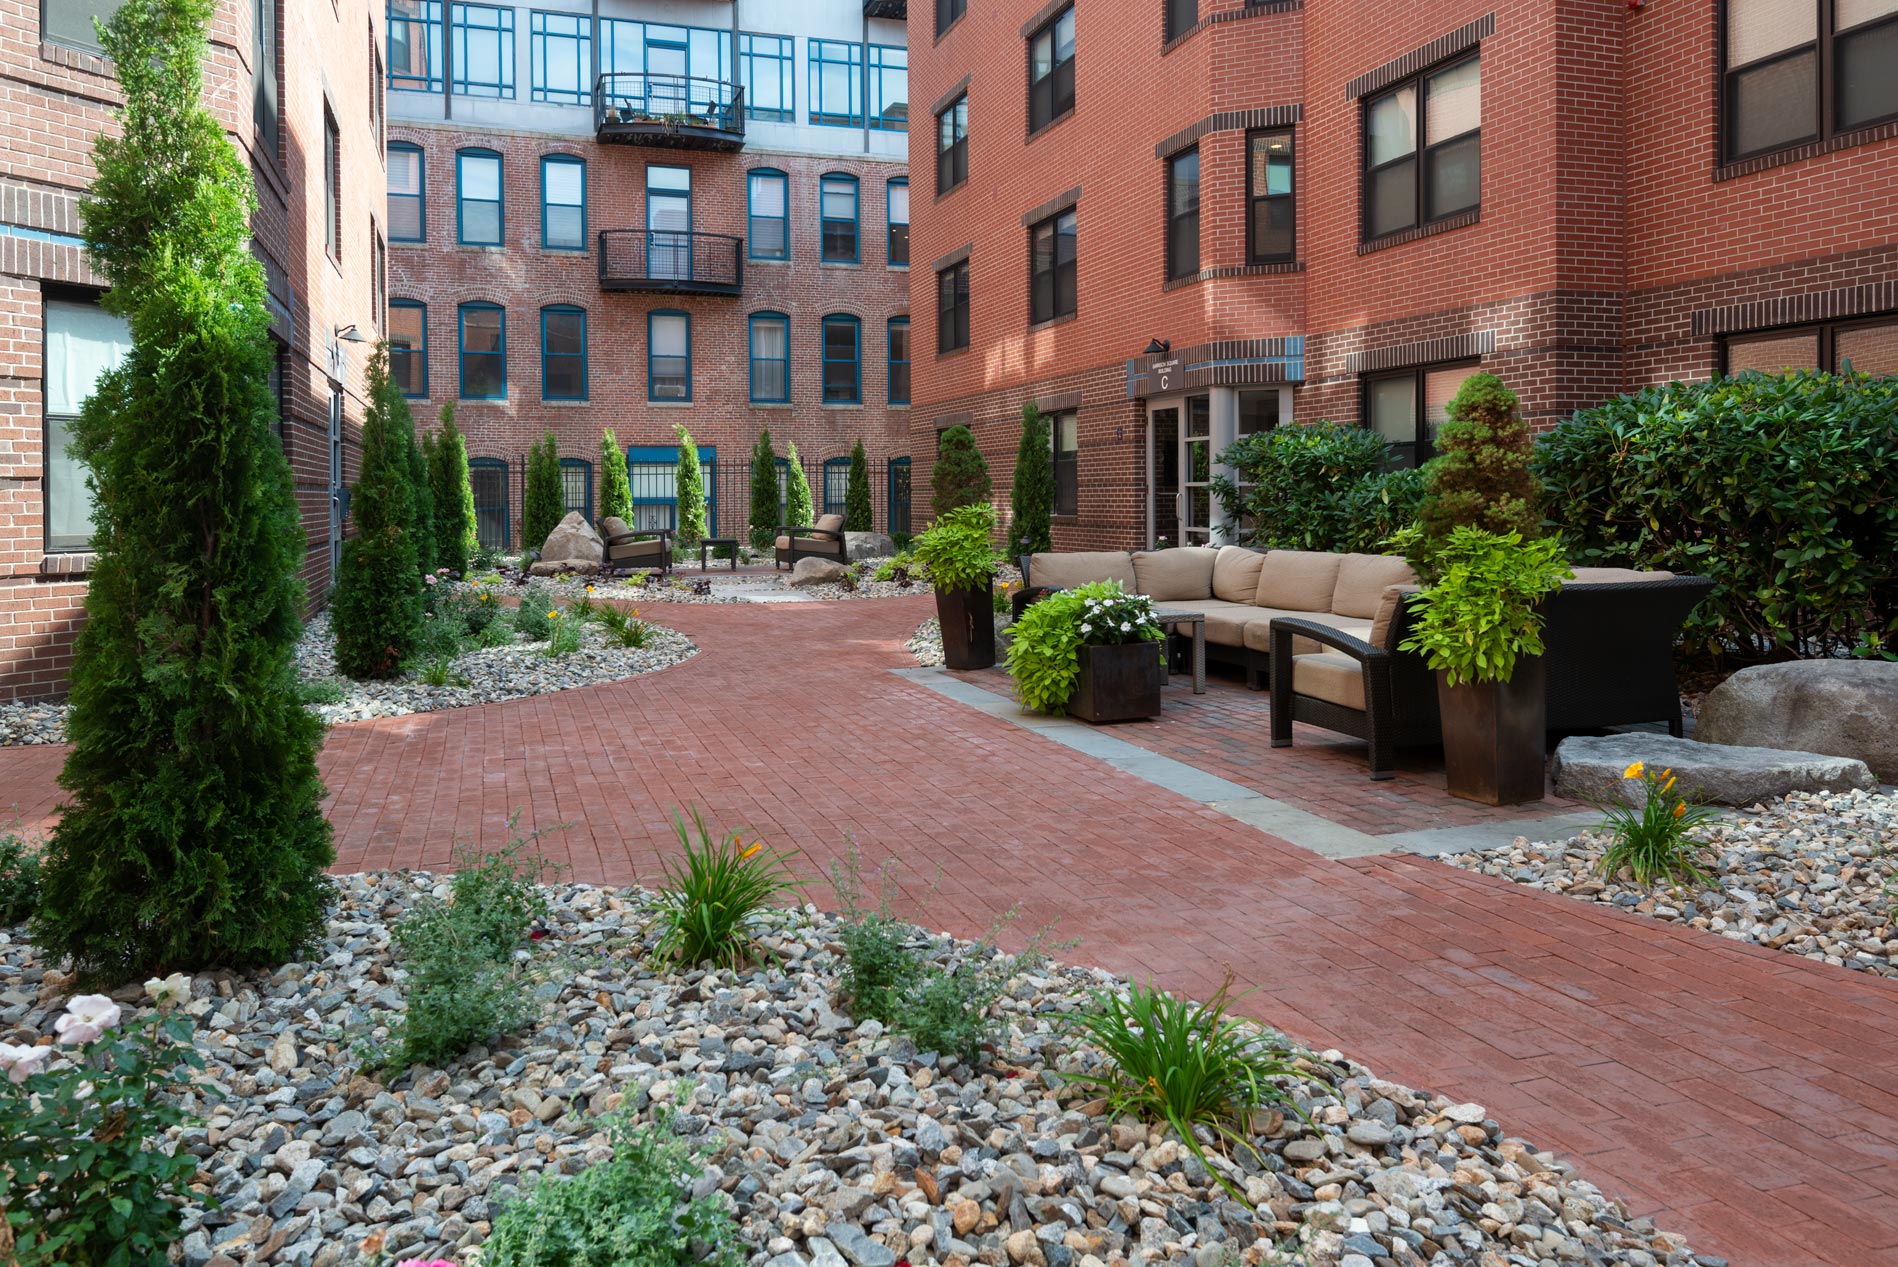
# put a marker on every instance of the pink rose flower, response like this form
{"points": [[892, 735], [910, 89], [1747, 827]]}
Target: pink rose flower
{"points": [[22, 1063], [88, 1017]]}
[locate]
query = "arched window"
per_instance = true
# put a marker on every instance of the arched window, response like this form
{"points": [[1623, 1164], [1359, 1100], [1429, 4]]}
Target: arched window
{"points": [[843, 360], [668, 356], [767, 214], [479, 215], [897, 200], [770, 358], [837, 218], [483, 351], [563, 352], [563, 202], [576, 486], [836, 485], [408, 346], [408, 212], [899, 360]]}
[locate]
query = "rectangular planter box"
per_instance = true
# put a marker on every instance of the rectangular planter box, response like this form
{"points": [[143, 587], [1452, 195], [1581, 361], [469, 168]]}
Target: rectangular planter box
{"points": [[968, 627], [1494, 745], [1120, 683]]}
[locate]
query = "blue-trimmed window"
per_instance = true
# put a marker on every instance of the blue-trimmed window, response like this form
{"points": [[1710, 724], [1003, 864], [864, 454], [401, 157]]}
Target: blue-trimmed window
{"points": [[653, 472], [483, 345], [899, 360], [843, 360], [408, 346], [563, 203], [560, 55], [836, 90], [632, 47], [889, 87], [837, 218], [483, 36], [896, 507], [563, 352], [768, 67], [836, 485], [896, 207], [770, 358], [767, 214], [576, 486], [479, 215], [408, 214], [415, 45], [488, 478], [668, 356]]}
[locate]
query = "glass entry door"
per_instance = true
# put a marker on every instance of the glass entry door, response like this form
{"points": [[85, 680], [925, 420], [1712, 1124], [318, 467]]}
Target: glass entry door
{"points": [[1163, 431], [1196, 470]]}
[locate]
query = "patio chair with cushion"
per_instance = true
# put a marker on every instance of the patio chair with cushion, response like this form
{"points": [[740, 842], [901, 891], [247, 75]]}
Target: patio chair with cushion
{"points": [[822, 540], [625, 549]]}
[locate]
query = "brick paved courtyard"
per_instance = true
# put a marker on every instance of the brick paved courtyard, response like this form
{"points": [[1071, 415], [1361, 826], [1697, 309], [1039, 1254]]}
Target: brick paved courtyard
{"points": [[1746, 1098]]}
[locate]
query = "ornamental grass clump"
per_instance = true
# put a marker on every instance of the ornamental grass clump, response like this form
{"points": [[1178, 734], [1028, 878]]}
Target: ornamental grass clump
{"points": [[1651, 840], [623, 629], [714, 893], [1044, 656]]}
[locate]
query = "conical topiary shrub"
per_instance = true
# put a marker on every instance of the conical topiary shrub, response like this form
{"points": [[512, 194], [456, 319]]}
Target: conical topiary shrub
{"points": [[376, 612], [798, 511], [961, 477], [542, 506], [452, 495], [858, 515], [1032, 497], [616, 488], [689, 491], [764, 492]]}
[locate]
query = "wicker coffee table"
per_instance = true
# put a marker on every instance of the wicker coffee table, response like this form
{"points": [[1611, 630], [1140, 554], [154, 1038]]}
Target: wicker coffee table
{"points": [[1170, 619], [717, 543]]}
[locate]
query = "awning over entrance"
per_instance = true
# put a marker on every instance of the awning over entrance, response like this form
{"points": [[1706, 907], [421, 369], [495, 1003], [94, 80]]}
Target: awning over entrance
{"points": [[1223, 363]]}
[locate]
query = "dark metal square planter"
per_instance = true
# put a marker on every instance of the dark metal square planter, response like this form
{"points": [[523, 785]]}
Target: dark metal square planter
{"points": [[1119, 683]]}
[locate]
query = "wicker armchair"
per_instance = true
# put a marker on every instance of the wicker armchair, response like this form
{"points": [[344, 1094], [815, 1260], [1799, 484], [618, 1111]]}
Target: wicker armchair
{"points": [[1384, 696], [625, 549], [822, 540]]}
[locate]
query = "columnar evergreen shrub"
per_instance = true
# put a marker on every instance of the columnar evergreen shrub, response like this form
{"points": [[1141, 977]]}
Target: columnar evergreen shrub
{"points": [[1320, 486], [422, 526], [764, 492], [858, 515], [1783, 490], [1481, 476], [797, 492], [961, 477], [376, 612], [1033, 494], [542, 506], [452, 495], [690, 491], [616, 488], [192, 833]]}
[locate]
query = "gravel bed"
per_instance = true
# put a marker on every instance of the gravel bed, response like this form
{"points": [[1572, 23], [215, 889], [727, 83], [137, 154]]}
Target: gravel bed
{"points": [[837, 1143], [1806, 875], [926, 643]]}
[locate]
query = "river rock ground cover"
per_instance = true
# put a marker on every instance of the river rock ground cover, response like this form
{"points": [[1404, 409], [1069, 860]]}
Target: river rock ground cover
{"points": [[1811, 874], [839, 1144]]}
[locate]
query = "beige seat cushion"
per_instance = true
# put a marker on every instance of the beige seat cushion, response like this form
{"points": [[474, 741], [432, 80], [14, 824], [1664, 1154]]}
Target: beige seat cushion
{"points": [[614, 526], [1259, 633], [1329, 676], [1181, 574], [1362, 580], [1234, 625], [1604, 576], [1236, 574], [828, 526], [819, 545], [1065, 571], [1298, 580], [1387, 612]]}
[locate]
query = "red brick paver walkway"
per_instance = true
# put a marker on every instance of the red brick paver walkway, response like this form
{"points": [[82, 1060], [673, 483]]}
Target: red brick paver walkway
{"points": [[1746, 1098]]}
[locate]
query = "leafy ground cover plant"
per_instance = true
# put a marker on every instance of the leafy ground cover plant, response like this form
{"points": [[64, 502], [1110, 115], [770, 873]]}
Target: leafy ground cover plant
{"points": [[1650, 839], [714, 891], [1480, 614], [1044, 656], [19, 879], [323, 691], [901, 566], [637, 1210], [1322, 486], [536, 614], [566, 635], [83, 1182]]}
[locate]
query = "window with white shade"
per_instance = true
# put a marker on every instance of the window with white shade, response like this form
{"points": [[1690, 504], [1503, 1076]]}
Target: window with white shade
{"points": [[1804, 70], [83, 341], [563, 203], [478, 197], [768, 231], [1423, 149], [1408, 406], [669, 356]]}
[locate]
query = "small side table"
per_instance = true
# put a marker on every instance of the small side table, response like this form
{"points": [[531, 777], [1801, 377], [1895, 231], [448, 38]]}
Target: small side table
{"points": [[1169, 619], [712, 543]]}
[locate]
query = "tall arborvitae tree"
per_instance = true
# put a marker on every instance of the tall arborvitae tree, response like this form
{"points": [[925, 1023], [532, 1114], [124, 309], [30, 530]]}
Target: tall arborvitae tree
{"points": [[1033, 494], [192, 835], [961, 477], [798, 510], [689, 491], [542, 506], [616, 488], [1481, 475], [858, 516], [376, 611], [764, 492], [422, 524], [451, 494]]}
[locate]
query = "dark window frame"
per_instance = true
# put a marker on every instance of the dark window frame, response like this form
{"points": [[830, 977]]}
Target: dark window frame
{"points": [[562, 312], [892, 360], [1174, 262], [1827, 83], [1051, 96], [892, 240], [420, 196], [952, 317], [332, 187], [948, 13], [1424, 450], [1067, 464], [267, 93], [586, 502], [1254, 198], [1179, 17], [1419, 154], [500, 466], [462, 353], [840, 321], [413, 354], [1045, 288], [1826, 343], [952, 160], [825, 184]]}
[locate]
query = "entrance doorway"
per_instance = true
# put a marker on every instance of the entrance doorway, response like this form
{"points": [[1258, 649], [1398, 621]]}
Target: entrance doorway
{"points": [[1163, 462], [1180, 459]]}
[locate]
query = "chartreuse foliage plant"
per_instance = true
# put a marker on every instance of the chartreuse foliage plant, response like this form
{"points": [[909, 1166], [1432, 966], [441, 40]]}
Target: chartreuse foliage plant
{"points": [[714, 891], [764, 492], [960, 477], [637, 1210], [1650, 840], [542, 503], [616, 486], [689, 490], [85, 1178], [192, 832], [1044, 655], [377, 610], [1319, 486], [1480, 613], [1032, 498], [955, 550], [451, 495], [1783, 490], [1481, 474], [858, 513]]}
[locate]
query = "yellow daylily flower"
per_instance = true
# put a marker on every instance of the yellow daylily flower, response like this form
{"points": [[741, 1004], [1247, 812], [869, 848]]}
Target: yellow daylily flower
{"points": [[1635, 771], [1669, 785], [554, 614], [752, 852], [1680, 807]]}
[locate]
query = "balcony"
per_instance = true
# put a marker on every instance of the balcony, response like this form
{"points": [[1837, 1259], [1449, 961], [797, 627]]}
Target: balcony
{"points": [[897, 9], [669, 110], [665, 261]]}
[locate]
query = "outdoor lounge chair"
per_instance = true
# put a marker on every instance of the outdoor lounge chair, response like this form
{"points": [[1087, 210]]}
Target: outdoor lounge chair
{"points": [[626, 549], [822, 540]]}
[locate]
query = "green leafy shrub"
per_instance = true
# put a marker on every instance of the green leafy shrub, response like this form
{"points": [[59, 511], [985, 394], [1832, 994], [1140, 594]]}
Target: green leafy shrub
{"points": [[956, 549], [764, 492], [1319, 486], [689, 490], [1650, 839], [623, 629], [1044, 656], [901, 566], [498, 632], [567, 635], [1481, 474], [451, 495], [1782, 490], [798, 510], [535, 616], [713, 893], [462, 982], [19, 879], [637, 1210], [543, 504], [1032, 498], [1480, 613], [376, 611], [85, 1179], [440, 671], [616, 487], [858, 513], [422, 495], [192, 831], [960, 477]]}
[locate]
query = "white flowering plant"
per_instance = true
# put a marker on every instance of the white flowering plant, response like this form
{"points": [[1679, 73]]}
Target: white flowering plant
{"points": [[85, 1176], [1044, 655]]}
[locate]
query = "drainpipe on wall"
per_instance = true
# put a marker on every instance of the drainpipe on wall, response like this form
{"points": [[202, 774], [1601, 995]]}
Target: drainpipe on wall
{"points": [[448, 58], [866, 98], [593, 58]]}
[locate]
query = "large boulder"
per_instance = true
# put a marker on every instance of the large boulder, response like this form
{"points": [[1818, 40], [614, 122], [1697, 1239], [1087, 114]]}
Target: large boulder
{"points": [[869, 545], [816, 572], [563, 567], [1590, 768], [1847, 708], [573, 541]]}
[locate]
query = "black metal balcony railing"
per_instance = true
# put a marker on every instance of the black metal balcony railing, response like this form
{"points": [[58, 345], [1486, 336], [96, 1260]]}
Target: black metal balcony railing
{"points": [[670, 261], [898, 9], [676, 110]]}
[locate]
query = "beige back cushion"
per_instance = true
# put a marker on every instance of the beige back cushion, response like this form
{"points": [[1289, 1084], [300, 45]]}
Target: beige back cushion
{"points": [[1387, 612], [1065, 571], [828, 526], [1236, 574], [1362, 580], [1298, 580], [1602, 576], [615, 526], [1181, 574]]}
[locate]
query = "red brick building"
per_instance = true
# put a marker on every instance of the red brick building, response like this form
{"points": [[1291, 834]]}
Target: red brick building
{"points": [[312, 132], [1338, 209]]}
